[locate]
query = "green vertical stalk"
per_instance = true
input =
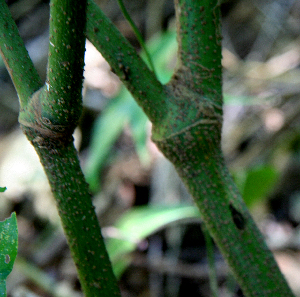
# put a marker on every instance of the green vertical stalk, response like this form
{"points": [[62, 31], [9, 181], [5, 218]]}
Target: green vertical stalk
{"points": [[191, 139], [48, 118], [187, 122], [15, 56], [60, 161], [49, 123], [58, 104], [199, 162], [199, 39]]}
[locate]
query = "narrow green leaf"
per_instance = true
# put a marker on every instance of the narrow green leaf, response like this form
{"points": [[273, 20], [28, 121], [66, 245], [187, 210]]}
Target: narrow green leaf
{"points": [[8, 249], [2, 189], [163, 49], [137, 33], [138, 126], [256, 183], [139, 223], [107, 129]]}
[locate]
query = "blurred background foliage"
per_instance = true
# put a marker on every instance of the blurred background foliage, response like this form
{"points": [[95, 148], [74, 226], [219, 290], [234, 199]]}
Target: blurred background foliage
{"points": [[151, 226]]}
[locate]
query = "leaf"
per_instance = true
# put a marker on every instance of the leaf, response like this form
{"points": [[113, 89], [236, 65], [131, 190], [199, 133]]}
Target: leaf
{"points": [[2, 189], [138, 125], [139, 223], [256, 183], [107, 129], [163, 49], [8, 249]]}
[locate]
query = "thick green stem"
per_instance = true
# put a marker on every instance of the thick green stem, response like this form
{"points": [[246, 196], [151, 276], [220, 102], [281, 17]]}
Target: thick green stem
{"points": [[187, 122], [49, 122], [191, 136], [197, 157], [199, 40], [59, 104], [66, 60], [48, 119], [60, 162]]}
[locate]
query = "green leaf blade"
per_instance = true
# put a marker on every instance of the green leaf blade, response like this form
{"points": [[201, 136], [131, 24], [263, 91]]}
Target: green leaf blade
{"points": [[9, 245], [8, 249], [139, 223]]}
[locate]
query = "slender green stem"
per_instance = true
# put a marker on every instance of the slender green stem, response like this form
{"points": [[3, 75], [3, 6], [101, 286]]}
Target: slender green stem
{"points": [[49, 124], [56, 108], [58, 104], [126, 63], [15, 56], [137, 34], [66, 60]]}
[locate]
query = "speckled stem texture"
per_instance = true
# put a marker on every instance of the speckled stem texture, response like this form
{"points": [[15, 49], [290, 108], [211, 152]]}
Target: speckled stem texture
{"points": [[187, 122], [48, 116], [126, 63], [191, 139], [60, 161]]}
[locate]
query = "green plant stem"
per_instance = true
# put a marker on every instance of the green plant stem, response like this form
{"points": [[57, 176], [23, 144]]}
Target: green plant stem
{"points": [[126, 63], [58, 105], [137, 33], [48, 119], [60, 161], [203, 171], [15, 56], [191, 139], [199, 40], [187, 122]]}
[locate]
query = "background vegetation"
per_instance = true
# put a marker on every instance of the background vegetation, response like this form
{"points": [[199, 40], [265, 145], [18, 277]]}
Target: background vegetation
{"points": [[260, 141]]}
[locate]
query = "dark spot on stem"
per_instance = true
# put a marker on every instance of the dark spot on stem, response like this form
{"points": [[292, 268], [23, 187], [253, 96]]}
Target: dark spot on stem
{"points": [[237, 217]]}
